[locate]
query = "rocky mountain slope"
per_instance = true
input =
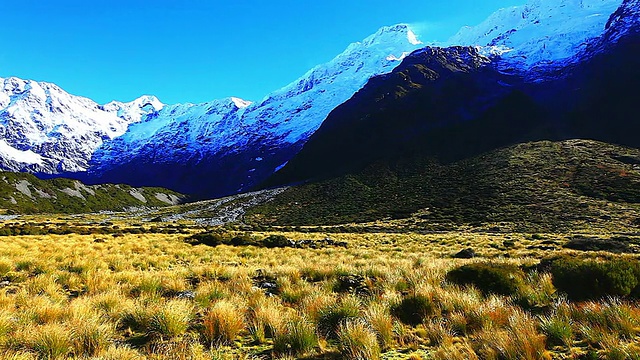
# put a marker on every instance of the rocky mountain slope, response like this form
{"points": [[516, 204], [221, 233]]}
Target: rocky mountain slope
{"points": [[22, 193], [233, 145]]}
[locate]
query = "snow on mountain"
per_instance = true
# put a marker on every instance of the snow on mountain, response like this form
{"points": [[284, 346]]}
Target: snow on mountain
{"points": [[285, 117], [135, 110], [45, 129], [305, 103], [176, 126], [541, 32]]}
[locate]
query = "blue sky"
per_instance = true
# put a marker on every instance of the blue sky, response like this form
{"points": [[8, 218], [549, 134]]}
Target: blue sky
{"points": [[197, 50]]}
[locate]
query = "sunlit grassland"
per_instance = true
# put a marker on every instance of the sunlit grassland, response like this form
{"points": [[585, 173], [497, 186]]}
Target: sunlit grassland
{"points": [[137, 296]]}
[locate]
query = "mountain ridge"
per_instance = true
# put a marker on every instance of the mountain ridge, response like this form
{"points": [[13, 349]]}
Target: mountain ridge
{"points": [[452, 103], [243, 146], [235, 145], [45, 129]]}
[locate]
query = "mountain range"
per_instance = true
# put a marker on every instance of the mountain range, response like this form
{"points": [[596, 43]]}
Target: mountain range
{"points": [[454, 103], [546, 70]]}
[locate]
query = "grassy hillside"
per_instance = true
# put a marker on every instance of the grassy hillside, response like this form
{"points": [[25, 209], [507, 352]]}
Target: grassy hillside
{"points": [[22, 193], [540, 186]]}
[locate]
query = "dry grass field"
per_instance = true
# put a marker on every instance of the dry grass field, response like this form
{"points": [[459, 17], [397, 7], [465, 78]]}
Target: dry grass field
{"points": [[383, 296]]}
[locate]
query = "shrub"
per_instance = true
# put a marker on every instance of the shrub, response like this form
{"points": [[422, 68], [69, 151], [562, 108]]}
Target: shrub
{"points": [[297, 337], [592, 279], [414, 309], [502, 279], [276, 241], [242, 240], [357, 341], [209, 239]]}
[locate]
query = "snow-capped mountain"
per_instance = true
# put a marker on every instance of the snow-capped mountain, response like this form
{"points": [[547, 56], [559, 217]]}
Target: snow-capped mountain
{"points": [[230, 145], [455, 103], [45, 129], [253, 139], [298, 109], [540, 33]]}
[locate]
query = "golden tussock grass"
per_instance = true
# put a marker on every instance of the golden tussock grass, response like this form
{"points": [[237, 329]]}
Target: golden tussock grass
{"points": [[153, 296]]}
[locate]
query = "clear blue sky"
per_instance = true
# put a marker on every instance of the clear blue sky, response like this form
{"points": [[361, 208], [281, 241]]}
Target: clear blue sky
{"points": [[198, 50]]}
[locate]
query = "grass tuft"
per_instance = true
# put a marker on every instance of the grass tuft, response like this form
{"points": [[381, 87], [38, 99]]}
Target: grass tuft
{"points": [[332, 316], [296, 338], [222, 323], [358, 342], [415, 309], [170, 319]]}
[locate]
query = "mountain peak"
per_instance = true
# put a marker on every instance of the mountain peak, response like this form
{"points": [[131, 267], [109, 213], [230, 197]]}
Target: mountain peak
{"points": [[136, 110], [390, 34], [149, 103], [240, 103]]}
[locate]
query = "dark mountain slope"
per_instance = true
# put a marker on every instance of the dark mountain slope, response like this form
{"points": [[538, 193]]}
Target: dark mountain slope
{"points": [[608, 89], [540, 186], [437, 102]]}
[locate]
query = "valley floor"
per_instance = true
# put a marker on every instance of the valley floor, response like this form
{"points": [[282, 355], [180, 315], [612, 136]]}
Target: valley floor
{"points": [[127, 291]]}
